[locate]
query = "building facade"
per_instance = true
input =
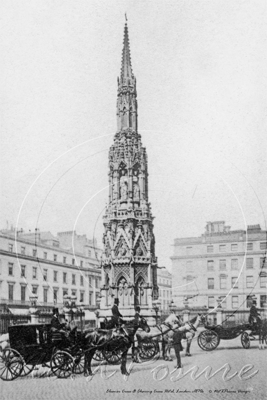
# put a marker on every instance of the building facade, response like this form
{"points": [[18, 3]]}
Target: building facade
{"points": [[129, 264], [165, 289], [40, 264], [220, 267]]}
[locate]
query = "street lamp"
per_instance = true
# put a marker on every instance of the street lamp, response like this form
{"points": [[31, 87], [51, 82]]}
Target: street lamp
{"points": [[172, 307], [81, 308], [156, 307], [73, 306]]}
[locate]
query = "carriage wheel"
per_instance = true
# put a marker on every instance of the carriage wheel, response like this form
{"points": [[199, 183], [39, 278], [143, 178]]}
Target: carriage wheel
{"points": [[11, 364], [245, 340], [113, 356], [98, 356], [61, 364], [78, 363], [148, 350], [208, 340]]}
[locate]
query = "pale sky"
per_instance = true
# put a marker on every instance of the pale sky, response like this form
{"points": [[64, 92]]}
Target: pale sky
{"points": [[201, 70]]}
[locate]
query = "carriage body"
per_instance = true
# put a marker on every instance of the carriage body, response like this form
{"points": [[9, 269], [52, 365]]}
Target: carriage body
{"points": [[32, 345], [210, 338], [32, 341]]}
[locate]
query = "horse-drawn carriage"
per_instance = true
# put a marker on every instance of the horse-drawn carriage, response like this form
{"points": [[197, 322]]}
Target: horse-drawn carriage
{"points": [[210, 338], [35, 344]]}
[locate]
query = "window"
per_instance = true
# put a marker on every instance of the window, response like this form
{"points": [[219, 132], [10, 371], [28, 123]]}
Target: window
{"points": [[10, 269], [263, 263], [23, 271], [73, 281], [81, 297], [90, 298], [189, 250], [55, 295], [210, 283], [10, 291], [222, 265], [222, 248], [234, 282], [64, 277], [249, 246], [233, 247], [249, 281], [210, 265], [45, 255], [73, 293], [263, 281], [234, 264], [222, 282], [45, 295], [65, 292], [89, 253], [10, 248], [73, 261], [96, 254], [81, 263], [34, 252], [34, 272], [189, 266], [211, 302], [55, 257], [263, 245], [249, 263], [45, 275], [55, 276], [90, 282], [210, 249], [96, 283], [235, 303], [23, 292], [23, 250], [64, 260], [263, 300], [34, 289], [81, 280]]}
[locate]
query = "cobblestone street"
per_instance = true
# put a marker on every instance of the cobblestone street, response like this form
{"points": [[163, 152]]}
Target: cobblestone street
{"points": [[240, 374]]}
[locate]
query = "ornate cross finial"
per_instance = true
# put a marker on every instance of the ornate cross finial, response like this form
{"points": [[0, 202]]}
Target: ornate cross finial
{"points": [[126, 17]]}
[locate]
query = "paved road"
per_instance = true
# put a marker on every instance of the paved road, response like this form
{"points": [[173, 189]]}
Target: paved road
{"points": [[241, 374]]}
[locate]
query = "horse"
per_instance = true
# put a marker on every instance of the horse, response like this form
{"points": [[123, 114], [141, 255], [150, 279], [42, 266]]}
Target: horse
{"points": [[159, 333], [174, 337], [123, 337]]}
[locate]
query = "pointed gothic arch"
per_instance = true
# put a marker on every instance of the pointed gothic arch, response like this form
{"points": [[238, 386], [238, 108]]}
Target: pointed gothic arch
{"points": [[140, 291], [123, 290]]}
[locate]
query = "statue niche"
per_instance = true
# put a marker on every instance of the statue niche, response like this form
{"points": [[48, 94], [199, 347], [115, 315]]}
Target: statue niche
{"points": [[123, 185], [136, 188]]}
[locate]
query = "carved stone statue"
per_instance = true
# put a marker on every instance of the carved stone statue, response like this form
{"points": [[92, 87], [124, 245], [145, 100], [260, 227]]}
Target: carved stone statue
{"points": [[136, 191], [123, 186]]}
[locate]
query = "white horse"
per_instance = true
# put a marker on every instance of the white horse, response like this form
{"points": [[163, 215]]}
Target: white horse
{"points": [[187, 335], [162, 333]]}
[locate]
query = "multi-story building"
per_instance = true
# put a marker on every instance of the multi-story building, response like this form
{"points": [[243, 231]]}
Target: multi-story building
{"points": [[165, 289], [48, 267], [220, 267]]}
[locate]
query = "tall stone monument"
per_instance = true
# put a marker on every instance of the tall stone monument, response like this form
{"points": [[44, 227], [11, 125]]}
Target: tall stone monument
{"points": [[129, 264]]}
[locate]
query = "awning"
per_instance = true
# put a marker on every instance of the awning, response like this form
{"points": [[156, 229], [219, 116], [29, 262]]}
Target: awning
{"points": [[19, 311], [89, 315]]}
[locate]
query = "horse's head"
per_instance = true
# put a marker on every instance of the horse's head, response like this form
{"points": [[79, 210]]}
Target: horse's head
{"points": [[144, 325]]}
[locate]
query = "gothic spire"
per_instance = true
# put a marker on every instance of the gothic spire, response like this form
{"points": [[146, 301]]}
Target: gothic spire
{"points": [[126, 67]]}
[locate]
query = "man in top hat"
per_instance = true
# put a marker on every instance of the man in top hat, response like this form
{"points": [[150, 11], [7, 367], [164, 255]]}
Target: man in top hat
{"points": [[58, 329], [135, 352], [116, 315], [254, 315]]}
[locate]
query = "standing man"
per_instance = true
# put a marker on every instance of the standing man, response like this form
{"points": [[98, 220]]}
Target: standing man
{"points": [[135, 352], [116, 315]]}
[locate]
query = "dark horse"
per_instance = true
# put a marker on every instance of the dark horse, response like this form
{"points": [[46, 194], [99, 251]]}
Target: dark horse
{"points": [[104, 338]]}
